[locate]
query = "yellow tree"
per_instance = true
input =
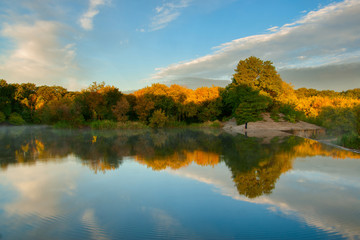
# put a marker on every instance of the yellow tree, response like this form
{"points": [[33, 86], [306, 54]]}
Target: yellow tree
{"points": [[143, 107]]}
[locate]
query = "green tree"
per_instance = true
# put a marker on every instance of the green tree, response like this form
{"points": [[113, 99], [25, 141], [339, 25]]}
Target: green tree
{"points": [[210, 110], [111, 96], [158, 119], [244, 103], [339, 120], [7, 101], [131, 99], [251, 108], [2, 117], [259, 75]]}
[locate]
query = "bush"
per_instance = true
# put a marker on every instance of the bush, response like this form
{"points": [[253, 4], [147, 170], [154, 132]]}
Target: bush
{"points": [[212, 124], [16, 119], [2, 117], [351, 140], [275, 116], [338, 120], [274, 113], [103, 124], [290, 114], [216, 124], [158, 119]]}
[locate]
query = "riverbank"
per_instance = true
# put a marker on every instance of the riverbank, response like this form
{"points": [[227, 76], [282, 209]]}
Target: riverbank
{"points": [[268, 128]]}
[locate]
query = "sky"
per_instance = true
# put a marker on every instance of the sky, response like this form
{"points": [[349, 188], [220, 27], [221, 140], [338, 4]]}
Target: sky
{"points": [[131, 44]]}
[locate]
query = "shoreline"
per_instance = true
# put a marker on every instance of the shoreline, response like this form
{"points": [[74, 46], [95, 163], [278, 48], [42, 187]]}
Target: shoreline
{"points": [[267, 129]]}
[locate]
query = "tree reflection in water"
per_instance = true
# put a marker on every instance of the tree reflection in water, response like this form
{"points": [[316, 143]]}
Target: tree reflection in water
{"points": [[255, 165]]}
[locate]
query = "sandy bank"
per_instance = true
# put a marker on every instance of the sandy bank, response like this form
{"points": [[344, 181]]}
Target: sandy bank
{"points": [[268, 128]]}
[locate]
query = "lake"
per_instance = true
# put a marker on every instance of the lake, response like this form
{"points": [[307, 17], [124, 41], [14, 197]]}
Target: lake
{"points": [[174, 184]]}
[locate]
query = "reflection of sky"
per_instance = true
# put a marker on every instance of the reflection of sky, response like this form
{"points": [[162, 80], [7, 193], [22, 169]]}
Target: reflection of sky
{"points": [[34, 184], [324, 192], [68, 201]]}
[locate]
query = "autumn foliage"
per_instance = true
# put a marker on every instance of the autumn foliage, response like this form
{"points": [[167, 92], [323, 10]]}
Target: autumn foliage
{"points": [[256, 87]]}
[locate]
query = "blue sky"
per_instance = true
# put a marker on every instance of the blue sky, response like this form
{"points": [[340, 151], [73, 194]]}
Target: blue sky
{"points": [[133, 43]]}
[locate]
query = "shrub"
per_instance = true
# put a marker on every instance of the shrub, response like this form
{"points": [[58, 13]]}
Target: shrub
{"points": [[16, 119], [211, 124], [338, 120], [2, 117], [351, 140], [216, 124], [103, 124], [275, 116], [290, 114], [274, 112], [158, 119]]}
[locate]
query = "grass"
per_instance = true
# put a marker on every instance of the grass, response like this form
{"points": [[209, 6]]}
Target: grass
{"points": [[131, 125], [176, 124], [103, 124], [62, 125], [208, 124]]}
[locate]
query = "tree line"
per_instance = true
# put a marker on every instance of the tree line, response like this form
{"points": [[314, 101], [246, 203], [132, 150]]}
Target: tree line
{"points": [[256, 87]]}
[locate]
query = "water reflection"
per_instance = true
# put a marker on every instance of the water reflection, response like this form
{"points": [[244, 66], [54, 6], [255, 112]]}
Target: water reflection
{"points": [[255, 165], [291, 176]]}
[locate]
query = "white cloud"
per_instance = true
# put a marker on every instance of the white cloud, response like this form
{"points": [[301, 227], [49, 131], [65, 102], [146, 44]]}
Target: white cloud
{"points": [[39, 54], [86, 20], [273, 29], [330, 35], [167, 13]]}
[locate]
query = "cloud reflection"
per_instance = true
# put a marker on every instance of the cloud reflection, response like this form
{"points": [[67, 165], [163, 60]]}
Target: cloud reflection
{"points": [[301, 193], [39, 190]]}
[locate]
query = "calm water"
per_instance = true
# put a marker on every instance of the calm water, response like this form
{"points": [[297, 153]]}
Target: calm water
{"points": [[175, 184]]}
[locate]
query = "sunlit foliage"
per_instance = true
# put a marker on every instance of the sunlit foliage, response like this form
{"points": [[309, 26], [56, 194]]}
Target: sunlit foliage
{"points": [[312, 106], [256, 87]]}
